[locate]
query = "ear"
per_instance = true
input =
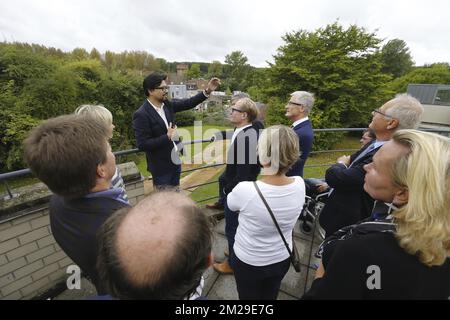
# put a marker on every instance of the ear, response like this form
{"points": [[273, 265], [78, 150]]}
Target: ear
{"points": [[401, 197], [101, 172], [393, 124]]}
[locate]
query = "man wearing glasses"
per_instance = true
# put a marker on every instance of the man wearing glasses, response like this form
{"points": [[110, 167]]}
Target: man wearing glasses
{"points": [[347, 202], [297, 110], [155, 129]]}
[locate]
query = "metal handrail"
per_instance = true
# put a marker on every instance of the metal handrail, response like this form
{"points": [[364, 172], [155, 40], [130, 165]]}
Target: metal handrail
{"points": [[19, 173]]}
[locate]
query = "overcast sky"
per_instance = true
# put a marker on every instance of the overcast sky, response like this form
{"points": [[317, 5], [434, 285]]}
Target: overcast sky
{"points": [[202, 31]]}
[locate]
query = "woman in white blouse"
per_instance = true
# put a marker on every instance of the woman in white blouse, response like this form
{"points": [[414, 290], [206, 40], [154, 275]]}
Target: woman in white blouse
{"points": [[260, 259]]}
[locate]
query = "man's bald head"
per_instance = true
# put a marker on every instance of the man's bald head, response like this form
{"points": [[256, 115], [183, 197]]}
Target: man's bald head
{"points": [[157, 250]]}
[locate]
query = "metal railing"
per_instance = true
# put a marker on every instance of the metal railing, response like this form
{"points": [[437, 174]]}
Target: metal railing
{"points": [[24, 172]]}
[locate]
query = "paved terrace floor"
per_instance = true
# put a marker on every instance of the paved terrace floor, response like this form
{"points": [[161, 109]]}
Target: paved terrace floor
{"points": [[223, 287]]}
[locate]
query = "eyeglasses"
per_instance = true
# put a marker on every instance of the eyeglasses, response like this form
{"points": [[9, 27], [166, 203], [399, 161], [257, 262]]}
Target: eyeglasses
{"points": [[383, 114], [163, 88], [296, 104], [237, 110]]}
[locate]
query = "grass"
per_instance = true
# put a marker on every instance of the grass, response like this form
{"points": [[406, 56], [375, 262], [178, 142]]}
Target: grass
{"points": [[212, 189]]}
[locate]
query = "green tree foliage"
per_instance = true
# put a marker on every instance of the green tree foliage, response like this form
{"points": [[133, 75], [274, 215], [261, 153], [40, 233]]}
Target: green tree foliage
{"points": [[340, 66], [236, 71], [396, 58], [215, 69], [194, 71], [437, 73]]}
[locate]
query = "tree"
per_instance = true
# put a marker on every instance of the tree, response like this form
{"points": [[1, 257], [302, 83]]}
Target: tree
{"points": [[395, 58], [95, 54], [340, 67], [237, 70], [437, 73], [215, 69], [194, 71]]}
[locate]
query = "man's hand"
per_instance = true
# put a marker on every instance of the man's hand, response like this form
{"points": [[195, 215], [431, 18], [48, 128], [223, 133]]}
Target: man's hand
{"points": [[322, 187], [320, 272], [213, 84], [344, 159], [171, 131]]}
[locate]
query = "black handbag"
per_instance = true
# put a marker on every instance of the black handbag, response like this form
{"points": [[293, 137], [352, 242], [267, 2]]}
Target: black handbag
{"points": [[295, 257]]}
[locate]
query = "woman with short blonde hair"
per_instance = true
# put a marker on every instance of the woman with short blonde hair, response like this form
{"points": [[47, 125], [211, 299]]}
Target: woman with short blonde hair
{"points": [[259, 257], [403, 251]]}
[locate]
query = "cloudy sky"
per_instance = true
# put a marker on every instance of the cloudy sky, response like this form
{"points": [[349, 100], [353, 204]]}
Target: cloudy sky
{"points": [[200, 30]]}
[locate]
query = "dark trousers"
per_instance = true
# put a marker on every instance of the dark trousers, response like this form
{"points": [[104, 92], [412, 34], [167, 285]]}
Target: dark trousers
{"points": [[222, 197], [258, 283], [171, 179], [231, 224]]}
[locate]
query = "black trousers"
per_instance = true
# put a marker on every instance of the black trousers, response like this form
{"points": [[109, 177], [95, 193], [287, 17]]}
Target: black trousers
{"points": [[258, 283]]}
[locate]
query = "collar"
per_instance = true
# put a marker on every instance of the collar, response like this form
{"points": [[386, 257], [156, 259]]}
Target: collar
{"points": [[296, 123], [378, 143], [112, 193], [155, 107]]}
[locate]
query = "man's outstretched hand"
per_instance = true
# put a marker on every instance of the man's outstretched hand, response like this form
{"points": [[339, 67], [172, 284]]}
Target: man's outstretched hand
{"points": [[213, 84]]}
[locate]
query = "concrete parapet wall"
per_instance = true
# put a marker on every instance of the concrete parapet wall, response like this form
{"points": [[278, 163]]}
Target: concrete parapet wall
{"points": [[31, 262]]}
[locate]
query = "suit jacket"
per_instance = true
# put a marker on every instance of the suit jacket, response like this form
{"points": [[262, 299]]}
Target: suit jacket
{"points": [[242, 159], [151, 133], [74, 224], [305, 135], [348, 203]]}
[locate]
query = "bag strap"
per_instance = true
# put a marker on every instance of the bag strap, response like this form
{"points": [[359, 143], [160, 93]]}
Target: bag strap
{"points": [[273, 218]]}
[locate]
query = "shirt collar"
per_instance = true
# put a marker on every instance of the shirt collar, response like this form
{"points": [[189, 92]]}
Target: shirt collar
{"points": [[296, 123], [156, 108], [112, 193]]}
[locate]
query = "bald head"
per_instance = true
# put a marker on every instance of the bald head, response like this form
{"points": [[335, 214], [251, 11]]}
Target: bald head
{"points": [[157, 250], [147, 237]]}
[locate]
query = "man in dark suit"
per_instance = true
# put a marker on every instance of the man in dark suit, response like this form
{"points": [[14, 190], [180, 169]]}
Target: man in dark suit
{"points": [[72, 156], [297, 110], [155, 129], [348, 203], [242, 165], [257, 125]]}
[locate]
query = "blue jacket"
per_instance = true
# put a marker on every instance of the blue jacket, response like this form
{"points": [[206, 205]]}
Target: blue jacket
{"points": [[305, 135]]}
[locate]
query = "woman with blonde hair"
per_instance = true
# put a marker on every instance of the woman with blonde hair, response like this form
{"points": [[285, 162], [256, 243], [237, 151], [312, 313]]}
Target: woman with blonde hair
{"points": [[403, 252], [259, 257], [103, 115]]}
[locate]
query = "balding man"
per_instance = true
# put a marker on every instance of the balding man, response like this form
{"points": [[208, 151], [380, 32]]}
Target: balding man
{"points": [[348, 203], [297, 110], [157, 250]]}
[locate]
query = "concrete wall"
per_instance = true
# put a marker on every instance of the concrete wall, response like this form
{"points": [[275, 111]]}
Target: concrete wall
{"points": [[30, 260]]}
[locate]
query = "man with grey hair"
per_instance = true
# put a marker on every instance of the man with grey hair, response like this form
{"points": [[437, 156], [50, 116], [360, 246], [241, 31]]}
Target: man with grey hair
{"points": [[347, 202], [297, 110]]}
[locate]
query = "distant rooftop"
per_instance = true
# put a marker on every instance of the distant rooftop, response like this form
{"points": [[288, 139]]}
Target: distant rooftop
{"points": [[437, 94]]}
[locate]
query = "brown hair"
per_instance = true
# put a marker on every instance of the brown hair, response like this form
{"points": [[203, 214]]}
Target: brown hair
{"points": [[64, 153]]}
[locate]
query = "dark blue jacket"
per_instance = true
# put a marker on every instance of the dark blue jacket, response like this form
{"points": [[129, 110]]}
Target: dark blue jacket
{"points": [[305, 135], [74, 225], [151, 133]]}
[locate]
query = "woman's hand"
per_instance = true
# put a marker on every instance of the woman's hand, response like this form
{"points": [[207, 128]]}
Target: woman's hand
{"points": [[320, 272]]}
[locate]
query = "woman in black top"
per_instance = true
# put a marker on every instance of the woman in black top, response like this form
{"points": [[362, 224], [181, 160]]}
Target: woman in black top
{"points": [[403, 251]]}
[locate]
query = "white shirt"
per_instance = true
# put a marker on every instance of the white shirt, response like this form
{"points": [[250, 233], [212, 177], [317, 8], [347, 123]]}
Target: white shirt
{"points": [[296, 123], [257, 241], [162, 114], [236, 132]]}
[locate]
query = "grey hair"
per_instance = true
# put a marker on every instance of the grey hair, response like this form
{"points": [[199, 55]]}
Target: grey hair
{"points": [[406, 109], [99, 112], [306, 99]]}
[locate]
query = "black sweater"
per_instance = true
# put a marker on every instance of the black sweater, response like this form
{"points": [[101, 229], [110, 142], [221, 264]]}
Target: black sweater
{"points": [[402, 276]]}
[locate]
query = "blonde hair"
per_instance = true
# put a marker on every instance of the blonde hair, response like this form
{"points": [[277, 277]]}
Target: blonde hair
{"points": [[98, 112], [249, 106], [279, 146], [423, 224]]}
